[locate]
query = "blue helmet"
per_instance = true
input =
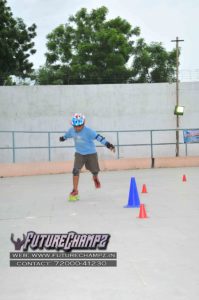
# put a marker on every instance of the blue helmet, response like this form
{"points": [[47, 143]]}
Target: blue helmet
{"points": [[78, 119]]}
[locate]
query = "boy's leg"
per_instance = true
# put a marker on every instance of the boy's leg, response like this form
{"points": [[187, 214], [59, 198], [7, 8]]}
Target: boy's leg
{"points": [[75, 182], [93, 166], [96, 181], [78, 164]]}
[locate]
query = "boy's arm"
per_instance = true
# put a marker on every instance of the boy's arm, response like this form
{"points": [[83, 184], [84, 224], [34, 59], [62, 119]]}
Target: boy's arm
{"points": [[104, 142], [66, 136]]}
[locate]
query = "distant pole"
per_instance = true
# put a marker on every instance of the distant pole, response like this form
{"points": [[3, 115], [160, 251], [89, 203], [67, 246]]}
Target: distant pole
{"points": [[177, 91]]}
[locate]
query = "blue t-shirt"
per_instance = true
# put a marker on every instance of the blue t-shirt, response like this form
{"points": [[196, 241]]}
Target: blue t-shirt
{"points": [[84, 140]]}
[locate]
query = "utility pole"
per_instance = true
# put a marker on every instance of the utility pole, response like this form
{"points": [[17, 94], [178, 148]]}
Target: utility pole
{"points": [[177, 92]]}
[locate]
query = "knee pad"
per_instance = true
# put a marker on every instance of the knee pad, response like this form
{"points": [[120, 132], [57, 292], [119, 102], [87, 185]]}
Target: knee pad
{"points": [[75, 172]]}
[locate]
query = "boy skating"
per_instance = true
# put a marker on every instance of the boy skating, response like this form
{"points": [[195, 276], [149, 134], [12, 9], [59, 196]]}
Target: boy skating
{"points": [[86, 153]]}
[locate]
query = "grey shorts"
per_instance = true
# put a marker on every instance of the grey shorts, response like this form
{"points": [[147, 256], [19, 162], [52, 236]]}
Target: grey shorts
{"points": [[89, 160]]}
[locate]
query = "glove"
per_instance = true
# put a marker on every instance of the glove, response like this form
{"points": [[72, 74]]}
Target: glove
{"points": [[110, 146], [61, 139]]}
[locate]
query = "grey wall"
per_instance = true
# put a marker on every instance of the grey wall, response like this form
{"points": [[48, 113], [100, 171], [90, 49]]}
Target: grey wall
{"points": [[107, 107]]}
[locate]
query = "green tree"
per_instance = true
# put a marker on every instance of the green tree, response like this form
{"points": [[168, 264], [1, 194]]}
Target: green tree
{"points": [[152, 63], [89, 49], [16, 45]]}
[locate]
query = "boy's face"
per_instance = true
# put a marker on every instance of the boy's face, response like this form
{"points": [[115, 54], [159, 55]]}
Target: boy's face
{"points": [[78, 128]]}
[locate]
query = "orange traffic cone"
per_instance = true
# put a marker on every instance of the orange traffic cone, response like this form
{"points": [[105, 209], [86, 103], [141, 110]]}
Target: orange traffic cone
{"points": [[144, 190], [142, 214], [184, 178]]}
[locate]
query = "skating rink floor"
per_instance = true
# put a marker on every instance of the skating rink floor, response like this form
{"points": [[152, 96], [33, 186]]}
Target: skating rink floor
{"points": [[157, 257]]}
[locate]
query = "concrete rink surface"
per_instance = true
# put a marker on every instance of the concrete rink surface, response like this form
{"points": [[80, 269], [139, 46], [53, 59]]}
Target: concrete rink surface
{"points": [[157, 257]]}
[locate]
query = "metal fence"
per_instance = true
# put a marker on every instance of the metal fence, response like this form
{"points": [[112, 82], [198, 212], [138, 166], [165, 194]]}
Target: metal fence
{"points": [[150, 139]]}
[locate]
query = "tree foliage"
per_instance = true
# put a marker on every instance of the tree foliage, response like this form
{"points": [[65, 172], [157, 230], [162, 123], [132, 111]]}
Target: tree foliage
{"points": [[152, 63], [16, 45], [89, 49]]}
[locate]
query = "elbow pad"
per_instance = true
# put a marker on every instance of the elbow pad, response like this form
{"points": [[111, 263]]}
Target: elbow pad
{"points": [[99, 138]]}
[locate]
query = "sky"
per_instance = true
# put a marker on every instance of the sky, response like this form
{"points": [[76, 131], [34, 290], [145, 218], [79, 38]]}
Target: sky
{"points": [[159, 21]]}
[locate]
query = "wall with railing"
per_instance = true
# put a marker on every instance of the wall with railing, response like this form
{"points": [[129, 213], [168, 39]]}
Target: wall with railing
{"points": [[25, 146], [31, 118]]}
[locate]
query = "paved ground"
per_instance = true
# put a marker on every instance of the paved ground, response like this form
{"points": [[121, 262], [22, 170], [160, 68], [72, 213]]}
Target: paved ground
{"points": [[158, 257]]}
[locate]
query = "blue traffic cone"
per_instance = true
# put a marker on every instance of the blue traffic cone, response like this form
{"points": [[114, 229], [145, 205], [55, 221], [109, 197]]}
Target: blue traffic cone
{"points": [[134, 200]]}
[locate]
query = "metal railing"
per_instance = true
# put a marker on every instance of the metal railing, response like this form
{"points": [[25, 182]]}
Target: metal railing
{"points": [[150, 135]]}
